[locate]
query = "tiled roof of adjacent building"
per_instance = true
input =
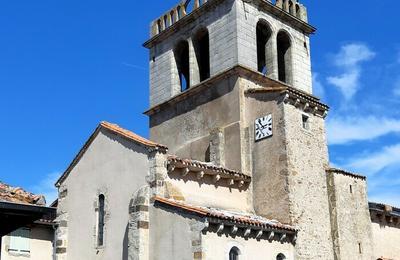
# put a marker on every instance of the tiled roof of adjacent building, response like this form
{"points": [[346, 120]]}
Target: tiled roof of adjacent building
{"points": [[346, 173], [229, 216], [19, 195], [384, 209], [116, 129]]}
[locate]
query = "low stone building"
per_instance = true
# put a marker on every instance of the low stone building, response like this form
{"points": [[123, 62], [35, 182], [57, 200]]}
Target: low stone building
{"points": [[26, 225], [237, 166]]}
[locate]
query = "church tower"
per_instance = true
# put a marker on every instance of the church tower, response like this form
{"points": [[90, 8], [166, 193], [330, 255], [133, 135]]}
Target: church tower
{"points": [[231, 84]]}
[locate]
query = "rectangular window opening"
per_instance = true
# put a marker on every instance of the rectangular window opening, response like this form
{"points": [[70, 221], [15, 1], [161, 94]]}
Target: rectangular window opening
{"points": [[20, 241], [306, 122]]}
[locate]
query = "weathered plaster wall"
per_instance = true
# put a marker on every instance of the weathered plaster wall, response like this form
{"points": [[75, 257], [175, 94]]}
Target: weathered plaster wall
{"points": [[351, 224], [268, 156], [221, 25], [307, 155], [185, 126], [248, 15], [217, 247], [116, 168], [205, 192], [41, 245], [171, 235], [386, 237]]}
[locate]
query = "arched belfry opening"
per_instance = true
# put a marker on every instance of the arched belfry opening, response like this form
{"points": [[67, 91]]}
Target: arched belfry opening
{"points": [[181, 53], [284, 57], [201, 44], [265, 50]]}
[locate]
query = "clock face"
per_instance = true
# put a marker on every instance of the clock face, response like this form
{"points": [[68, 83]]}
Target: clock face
{"points": [[263, 127]]}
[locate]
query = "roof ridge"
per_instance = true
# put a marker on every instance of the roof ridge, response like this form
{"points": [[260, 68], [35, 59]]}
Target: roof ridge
{"points": [[117, 130], [131, 135]]}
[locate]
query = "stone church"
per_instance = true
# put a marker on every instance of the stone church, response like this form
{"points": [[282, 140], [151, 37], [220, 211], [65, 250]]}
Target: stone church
{"points": [[237, 166]]}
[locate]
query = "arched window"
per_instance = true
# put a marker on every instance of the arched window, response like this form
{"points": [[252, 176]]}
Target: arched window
{"points": [[159, 26], [265, 57], [284, 58], [234, 253], [298, 15], [100, 227], [280, 257], [201, 43], [172, 15], [179, 12], [181, 53]]}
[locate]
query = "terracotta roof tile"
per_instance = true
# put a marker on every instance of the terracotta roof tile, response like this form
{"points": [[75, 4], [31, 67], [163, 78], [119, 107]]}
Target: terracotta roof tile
{"points": [[18, 195], [229, 216], [209, 166], [343, 172], [130, 135]]}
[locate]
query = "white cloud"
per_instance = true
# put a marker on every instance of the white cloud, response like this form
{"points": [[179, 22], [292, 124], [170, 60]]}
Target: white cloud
{"points": [[352, 54], [375, 162], [318, 88], [350, 129], [348, 82], [398, 56], [46, 187], [349, 59]]}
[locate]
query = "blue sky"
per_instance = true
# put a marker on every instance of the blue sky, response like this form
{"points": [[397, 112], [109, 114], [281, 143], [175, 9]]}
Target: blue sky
{"points": [[67, 65]]}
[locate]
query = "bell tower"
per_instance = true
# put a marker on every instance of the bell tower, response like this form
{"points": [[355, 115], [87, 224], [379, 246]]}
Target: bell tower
{"points": [[231, 84]]}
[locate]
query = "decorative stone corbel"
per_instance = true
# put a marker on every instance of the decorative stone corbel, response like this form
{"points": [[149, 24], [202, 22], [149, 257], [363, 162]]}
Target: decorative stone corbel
{"points": [[271, 235], [220, 229], [241, 184], [259, 234], [306, 106], [185, 171], [171, 167], [217, 178], [247, 232], [231, 182], [234, 230], [200, 175], [286, 98], [294, 240], [282, 237]]}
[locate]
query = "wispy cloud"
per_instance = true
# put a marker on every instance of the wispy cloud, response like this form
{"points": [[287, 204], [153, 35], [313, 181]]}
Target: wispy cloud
{"points": [[344, 130], [396, 88], [349, 60], [46, 187], [398, 56], [318, 88], [133, 66], [375, 162]]}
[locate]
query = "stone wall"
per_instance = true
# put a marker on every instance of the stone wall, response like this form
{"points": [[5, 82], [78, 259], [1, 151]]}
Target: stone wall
{"points": [[307, 155], [220, 22], [248, 15], [350, 218], [268, 157], [187, 124]]}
